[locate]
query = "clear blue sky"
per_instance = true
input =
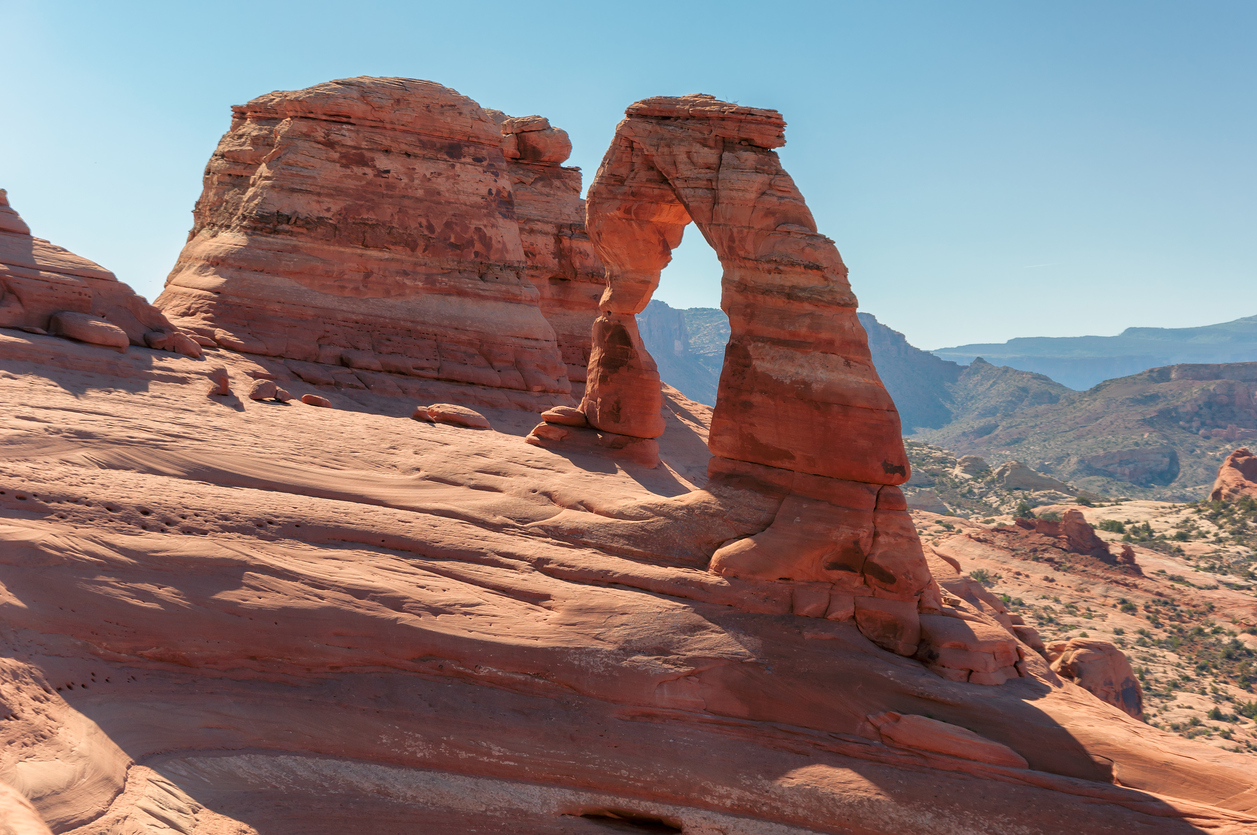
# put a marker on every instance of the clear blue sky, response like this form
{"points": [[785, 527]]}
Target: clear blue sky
{"points": [[988, 169]]}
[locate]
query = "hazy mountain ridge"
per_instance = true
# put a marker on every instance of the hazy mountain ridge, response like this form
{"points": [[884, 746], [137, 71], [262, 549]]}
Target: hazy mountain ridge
{"points": [[1159, 433], [1081, 362]]}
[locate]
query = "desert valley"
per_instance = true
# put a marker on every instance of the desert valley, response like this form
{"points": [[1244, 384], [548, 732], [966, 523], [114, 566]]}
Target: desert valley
{"points": [[405, 508]]}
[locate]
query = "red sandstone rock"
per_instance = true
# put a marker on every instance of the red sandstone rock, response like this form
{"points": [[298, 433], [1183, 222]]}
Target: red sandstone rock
{"points": [[925, 734], [565, 416], [1101, 668], [220, 382], [456, 416], [39, 280], [17, 815], [797, 366], [381, 269], [316, 400], [263, 390], [306, 624], [1236, 478], [561, 262], [87, 328], [797, 369]]}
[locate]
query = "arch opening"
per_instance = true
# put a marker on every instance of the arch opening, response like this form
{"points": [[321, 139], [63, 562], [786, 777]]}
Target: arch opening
{"points": [[682, 326]]}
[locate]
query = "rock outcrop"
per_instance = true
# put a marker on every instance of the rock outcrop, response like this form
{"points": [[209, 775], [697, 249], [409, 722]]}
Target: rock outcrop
{"points": [[372, 223], [1076, 533], [1237, 477], [797, 365], [560, 259], [1014, 475], [45, 288], [1101, 668], [224, 615], [797, 372]]}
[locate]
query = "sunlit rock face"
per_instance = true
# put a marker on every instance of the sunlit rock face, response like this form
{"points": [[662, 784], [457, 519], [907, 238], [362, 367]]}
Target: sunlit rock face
{"points": [[372, 223], [280, 609], [47, 288], [799, 406], [1237, 477]]}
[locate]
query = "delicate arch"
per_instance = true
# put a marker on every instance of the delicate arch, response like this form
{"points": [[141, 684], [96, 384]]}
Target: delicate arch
{"points": [[798, 390]]}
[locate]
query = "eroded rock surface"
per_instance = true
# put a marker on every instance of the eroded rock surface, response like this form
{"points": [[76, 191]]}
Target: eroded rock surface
{"points": [[800, 411], [560, 259], [1101, 668], [50, 289], [370, 223], [1237, 477]]}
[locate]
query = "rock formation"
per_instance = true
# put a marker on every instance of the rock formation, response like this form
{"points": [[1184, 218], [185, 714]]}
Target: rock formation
{"points": [[560, 259], [800, 410], [1102, 669], [1076, 533], [45, 288], [1237, 477], [372, 223], [797, 364], [227, 615]]}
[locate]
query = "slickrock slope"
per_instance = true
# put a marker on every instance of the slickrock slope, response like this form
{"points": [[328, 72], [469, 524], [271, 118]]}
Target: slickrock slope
{"points": [[371, 223], [215, 621], [323, 608], [1237, 478], [50, 289]]}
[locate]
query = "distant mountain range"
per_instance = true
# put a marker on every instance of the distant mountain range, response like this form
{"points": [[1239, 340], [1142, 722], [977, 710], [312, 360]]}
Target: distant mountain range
{"points": [[1159, 433], [1081, 362]]}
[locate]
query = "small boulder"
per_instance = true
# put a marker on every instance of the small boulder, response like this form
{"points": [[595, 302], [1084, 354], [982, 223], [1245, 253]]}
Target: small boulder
{"points": [[316, 400], [84, 327], [282, 395], [220, 382], [457, 416], [924, 734], [177, 342], [549, 432], [565, 416], [263, 390], [1100, 668]]}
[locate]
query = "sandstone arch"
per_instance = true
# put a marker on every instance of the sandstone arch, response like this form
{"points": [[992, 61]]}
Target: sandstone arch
{"points": [[798, 390], [800, 410]]}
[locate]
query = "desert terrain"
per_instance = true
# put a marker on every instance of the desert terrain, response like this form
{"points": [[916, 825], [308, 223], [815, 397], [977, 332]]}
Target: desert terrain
{"points": [[381, 517]]}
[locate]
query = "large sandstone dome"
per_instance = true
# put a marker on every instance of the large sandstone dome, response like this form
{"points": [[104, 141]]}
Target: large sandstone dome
{"points": [[287, 607]]}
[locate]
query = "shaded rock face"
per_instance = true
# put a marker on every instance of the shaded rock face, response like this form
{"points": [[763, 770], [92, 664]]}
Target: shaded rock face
{"points": [[372, 223], [1237, 477], [1101, 668], [40, 280], [800, 409], [1142, 466]]}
